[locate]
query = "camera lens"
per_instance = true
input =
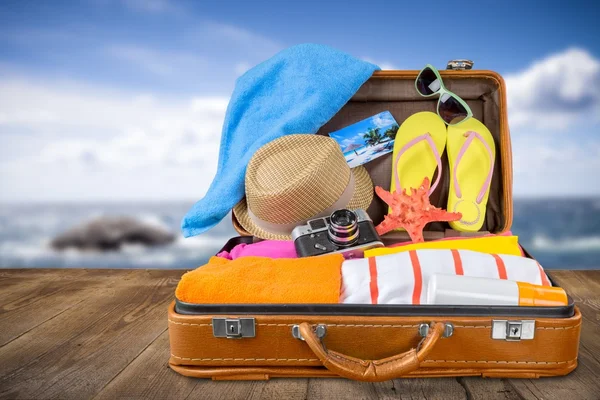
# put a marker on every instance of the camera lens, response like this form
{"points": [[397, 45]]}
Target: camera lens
{"points": [[343, 229]]}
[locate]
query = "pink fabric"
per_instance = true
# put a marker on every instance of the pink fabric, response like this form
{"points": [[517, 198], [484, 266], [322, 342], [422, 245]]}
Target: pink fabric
{"points": [[266, 248], [470, 136], [408, 145]]}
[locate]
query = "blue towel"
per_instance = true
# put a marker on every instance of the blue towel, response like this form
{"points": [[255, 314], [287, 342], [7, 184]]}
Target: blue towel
{"points": [[296, 91]]}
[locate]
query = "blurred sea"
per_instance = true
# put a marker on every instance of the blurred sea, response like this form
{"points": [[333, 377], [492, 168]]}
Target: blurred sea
{"points": [[560, 233]]}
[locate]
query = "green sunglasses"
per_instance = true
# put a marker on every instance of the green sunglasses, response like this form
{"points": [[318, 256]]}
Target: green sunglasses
{"points": [[451, 108]]}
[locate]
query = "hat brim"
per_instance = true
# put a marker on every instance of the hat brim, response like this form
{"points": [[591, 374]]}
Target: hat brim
{"points": [[362, 198]]}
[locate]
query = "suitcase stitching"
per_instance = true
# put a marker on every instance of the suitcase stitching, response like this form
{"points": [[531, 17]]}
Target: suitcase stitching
{"points": [[342, 325], [462, 361], [426, 361], [188, 324], [499, 362], [473, 326], [384, 326], [348, 325], [245, 359], [559, 328]]}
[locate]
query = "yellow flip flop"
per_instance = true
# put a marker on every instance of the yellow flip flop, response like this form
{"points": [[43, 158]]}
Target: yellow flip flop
{"points": [[471, 154], [418, 146]]}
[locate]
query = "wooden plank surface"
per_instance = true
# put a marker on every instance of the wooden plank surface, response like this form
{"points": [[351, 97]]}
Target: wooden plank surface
{"points": [[584, 382], [102, 334]]}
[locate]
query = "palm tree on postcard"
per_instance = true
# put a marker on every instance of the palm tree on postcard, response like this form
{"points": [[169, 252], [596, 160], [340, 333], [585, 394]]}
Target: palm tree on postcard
{"points": [[373, 137]]}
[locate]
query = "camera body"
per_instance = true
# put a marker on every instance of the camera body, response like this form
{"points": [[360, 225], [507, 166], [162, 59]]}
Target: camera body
{"points": [[344, 231]]}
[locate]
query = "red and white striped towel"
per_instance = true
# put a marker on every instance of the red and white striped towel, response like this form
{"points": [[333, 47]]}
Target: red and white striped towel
{"points": [[402, 278]]}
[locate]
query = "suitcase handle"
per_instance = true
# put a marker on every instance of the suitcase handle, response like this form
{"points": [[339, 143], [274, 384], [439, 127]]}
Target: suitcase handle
{"points": [[372, 370]]}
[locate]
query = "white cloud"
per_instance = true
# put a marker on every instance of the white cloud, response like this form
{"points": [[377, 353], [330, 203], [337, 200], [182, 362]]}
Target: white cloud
{"points": [[75, 140], [163, 63], [67, 140], [242, 37], [556, 91], [94, 143], [242, 67], [196, 54], [382, 121], [153, 6], [553, 107], [199, 56], [384, 65], [387, 66], [550, 166]]}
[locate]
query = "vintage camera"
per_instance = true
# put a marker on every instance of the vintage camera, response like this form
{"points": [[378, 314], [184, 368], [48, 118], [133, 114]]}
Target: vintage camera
{"points": [[344, 231]]}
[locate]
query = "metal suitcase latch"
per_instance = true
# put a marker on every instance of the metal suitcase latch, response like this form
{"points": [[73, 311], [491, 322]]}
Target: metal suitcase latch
{"points": [[320, 331], [460, 64], [448, 330], [234, 328], [513, 330]]}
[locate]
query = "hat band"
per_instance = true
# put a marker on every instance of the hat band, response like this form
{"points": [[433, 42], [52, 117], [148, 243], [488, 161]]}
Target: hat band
{"points": [[286, 229]]}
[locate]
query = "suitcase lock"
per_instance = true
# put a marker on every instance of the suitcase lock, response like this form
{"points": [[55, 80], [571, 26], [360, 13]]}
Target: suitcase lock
{"points": [[234, 328], [513, 330]]}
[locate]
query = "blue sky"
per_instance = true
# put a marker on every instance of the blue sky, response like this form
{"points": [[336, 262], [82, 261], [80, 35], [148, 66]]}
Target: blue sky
{"points": [[124, 99]]}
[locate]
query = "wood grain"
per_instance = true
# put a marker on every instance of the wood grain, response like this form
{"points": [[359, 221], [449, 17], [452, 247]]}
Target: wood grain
{"points": [[417, 388], [79, 351], [20, 284], [478, 388], [149, 377], [102, 334], [37, 303], [584, 382]]}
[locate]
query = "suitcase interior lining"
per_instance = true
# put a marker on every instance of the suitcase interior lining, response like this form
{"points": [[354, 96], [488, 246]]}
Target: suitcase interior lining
{"points": [[398, 95]]}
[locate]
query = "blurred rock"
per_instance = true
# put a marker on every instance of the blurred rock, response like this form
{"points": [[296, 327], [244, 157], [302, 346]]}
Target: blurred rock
{"points": [[110, 233]]}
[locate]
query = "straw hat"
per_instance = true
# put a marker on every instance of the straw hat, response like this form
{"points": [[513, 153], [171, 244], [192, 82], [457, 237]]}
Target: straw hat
{"points": [[297, 178]]}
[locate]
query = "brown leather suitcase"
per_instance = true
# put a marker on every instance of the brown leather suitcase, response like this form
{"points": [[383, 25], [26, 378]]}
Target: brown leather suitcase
{"points": [[380, 342]]}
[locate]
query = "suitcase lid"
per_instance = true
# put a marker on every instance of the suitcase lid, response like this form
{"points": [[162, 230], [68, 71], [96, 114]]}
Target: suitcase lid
{"points": [[394, 91]]}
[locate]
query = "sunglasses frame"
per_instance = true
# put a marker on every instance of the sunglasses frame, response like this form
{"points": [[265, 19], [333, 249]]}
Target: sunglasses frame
{"points": [[440, 92]]}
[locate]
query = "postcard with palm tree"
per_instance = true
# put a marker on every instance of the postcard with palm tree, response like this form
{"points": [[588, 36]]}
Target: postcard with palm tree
{"points": [[368, 139]]}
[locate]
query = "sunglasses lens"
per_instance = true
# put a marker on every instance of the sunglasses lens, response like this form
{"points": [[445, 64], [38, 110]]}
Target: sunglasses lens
{"points": [[451, 110], [427, 82]]}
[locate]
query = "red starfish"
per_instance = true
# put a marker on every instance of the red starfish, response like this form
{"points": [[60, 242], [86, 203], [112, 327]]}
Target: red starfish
{"points": [[411, 212]]}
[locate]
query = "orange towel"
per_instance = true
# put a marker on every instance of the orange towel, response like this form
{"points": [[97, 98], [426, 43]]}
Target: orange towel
{"points": [[263, 280]]}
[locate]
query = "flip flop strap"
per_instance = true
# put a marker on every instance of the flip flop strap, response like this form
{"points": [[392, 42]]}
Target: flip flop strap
{"points": [[470, 136], [426, 137]]}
